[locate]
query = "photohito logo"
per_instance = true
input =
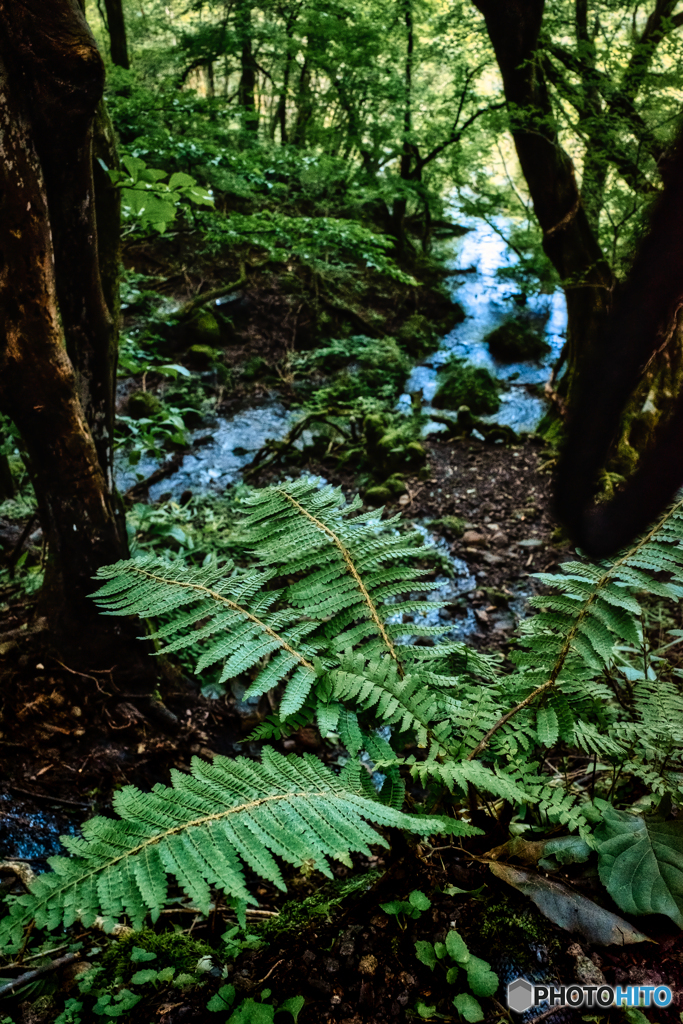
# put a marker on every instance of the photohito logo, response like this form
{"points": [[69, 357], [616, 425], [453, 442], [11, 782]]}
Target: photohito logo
{"points": [[522, 995]]}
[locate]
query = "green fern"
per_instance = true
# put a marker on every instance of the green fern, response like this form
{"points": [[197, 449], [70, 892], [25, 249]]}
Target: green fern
{"points": [[203, 832], [315, 617]]}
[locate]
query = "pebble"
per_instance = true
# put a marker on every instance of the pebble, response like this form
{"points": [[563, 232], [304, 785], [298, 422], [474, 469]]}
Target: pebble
{"points": [[473, 538], [368, 964]]}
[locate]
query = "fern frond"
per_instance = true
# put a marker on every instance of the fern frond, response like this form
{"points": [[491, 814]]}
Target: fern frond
{"points": [[202, 832]]}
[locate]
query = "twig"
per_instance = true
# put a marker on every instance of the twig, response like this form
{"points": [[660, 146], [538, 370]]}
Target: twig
{"points": [[266, 976], [10, 986], [52, 799]]}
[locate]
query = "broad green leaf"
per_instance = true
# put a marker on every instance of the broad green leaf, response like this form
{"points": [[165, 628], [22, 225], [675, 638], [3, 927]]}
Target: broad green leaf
{"points": [[457, 950], [139, 955], [180, 179], [452, 975], [468, 1007], [250, 1012], [294, 1005], [222, 1000], [418, 900], [569, 910], [424, 951], [640, 861], [144, 976], [481, 979]]}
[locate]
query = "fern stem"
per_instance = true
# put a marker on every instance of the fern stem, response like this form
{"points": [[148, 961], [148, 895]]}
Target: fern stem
{"points": [[231, 604], [566, 646], [346, 555]]}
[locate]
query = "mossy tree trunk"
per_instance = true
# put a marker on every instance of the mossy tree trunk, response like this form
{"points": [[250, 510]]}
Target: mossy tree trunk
{"points": [[59, 307]]}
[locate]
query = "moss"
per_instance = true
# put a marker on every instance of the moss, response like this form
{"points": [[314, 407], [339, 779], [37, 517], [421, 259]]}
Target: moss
{"points": [[516, 341], [254, 368], [171, 949], [143, 404], [464, 384], [378, 495], [396, 483], [203, 329], [201, 356], [515, 926], [453, 526]]}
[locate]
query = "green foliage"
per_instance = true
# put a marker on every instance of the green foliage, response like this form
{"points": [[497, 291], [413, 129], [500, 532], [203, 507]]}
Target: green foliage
{"points": [[149, 201], [202, 832], [316, 241], [641, 863], [317, 618], [454, 957], [460, 383]]}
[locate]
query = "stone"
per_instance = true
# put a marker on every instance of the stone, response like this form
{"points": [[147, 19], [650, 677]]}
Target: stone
{"points": [[379, 495], [368, 964], [500, 540], [474, 539], [203, 329], [143, 404], [201, 356]]}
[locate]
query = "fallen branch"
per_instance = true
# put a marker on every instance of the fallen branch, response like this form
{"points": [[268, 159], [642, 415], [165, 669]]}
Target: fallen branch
{"points": [[213, 293], [272, 450], [24, 979]]}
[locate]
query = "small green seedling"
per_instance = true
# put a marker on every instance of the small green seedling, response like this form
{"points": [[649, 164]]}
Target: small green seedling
{"points": [[413, 907], [454, 957]]}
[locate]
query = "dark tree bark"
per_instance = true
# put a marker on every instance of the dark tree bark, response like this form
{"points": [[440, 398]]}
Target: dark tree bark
{"points": [[59, 308], [116, 26], [568, 239], [247, 84]]}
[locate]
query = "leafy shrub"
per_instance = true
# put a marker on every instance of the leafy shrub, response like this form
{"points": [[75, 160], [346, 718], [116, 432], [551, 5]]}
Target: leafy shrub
{"points": [[147, 200], [461, 383]]}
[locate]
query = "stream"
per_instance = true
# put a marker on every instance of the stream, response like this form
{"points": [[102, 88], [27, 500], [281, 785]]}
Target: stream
{"points": [[487, 300]]}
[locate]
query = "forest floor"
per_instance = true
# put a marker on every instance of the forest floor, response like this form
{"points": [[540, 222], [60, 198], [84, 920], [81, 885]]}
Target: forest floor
{"points": [[71, 739]]}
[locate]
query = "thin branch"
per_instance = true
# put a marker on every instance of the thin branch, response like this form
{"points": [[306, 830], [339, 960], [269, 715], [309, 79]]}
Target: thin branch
{"points": [[24, 979]]}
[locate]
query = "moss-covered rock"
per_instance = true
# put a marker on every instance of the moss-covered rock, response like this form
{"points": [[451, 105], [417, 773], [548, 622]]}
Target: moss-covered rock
{"points": [[201, 357], [143, 404], [516, 341], [202, 329], [460, 384], [378, 495], [396, 483], [165, 949]]}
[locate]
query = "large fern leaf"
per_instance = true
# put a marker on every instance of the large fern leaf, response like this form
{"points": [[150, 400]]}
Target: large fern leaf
{"points": [[202, 832]]}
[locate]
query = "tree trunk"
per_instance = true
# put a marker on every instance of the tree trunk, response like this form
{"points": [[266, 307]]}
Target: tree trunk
{"points": [[116, 26], [568, 240], [247, 84], [58, 312]]}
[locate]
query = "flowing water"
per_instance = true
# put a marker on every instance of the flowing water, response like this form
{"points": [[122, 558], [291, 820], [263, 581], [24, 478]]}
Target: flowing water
{"points": [[488, 302]]}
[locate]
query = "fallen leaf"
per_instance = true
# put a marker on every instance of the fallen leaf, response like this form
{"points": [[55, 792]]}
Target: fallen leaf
{"points": [[569, 910]]}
